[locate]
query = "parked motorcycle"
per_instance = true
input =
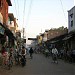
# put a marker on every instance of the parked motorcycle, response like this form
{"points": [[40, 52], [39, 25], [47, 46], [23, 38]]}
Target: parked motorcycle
{"points": [[23, 60], [46, 53]]}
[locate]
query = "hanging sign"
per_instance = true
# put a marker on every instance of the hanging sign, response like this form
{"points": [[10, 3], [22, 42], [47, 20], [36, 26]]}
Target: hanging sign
{"points": [[2, 30], [1, 18]]}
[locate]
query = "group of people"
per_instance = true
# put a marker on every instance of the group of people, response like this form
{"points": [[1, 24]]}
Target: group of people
{"points": [[6, 55], [52, 52], [23, 53], [14, 54]]}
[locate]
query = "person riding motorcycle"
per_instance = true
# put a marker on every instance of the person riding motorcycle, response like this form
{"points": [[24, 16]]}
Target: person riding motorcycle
{"points": [[23, 58], [31, 52], [23, 52]]}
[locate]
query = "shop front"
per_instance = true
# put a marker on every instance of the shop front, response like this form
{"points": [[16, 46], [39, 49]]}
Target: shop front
{"points": [[6, 36], [2, 31], [2, 34]]}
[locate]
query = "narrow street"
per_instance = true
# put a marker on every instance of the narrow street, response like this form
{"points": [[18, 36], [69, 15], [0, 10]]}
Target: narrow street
{"points": [[40, 65]]}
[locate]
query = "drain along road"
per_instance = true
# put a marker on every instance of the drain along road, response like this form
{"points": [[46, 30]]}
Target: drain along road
{"points": [[40, 65]]}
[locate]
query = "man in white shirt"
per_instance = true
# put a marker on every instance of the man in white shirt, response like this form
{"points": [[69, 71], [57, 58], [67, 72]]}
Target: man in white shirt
{"points": [[54, 51], [54, 55]]}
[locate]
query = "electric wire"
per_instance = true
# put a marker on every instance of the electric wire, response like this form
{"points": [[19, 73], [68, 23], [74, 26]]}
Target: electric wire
{"points": [[24, 11], [29, 12], [63, 10], [16, 8], [24, 19]]}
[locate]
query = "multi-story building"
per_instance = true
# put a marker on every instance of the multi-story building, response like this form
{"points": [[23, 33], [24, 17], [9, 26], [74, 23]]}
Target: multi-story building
{"points": [[55, 36], [3, 19], [5, 32], [71, 28], [4, 10], [12, 24], [39, 38], [71, 20], [44, 37]]}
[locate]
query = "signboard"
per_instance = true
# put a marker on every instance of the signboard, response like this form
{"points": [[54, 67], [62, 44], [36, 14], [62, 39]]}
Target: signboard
{"points": [[1, 18], [2, 30]]}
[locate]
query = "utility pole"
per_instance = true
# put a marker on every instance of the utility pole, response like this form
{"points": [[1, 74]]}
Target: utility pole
{"points": [[23, 32], [24, 38]]}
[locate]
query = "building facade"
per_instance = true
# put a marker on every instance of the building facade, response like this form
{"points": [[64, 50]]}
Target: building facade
{"points": [[52, 33], [71, 28], [71, 20], [5, 32], [4, 9]]}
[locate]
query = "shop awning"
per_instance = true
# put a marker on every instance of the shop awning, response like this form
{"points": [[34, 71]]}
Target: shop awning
{"points": [[57, 39], [8, 32], [2, 30], [54, 41], [67, 37]]}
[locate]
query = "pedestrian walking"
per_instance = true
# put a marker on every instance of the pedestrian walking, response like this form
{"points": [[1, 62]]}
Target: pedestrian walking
{"points": [[54, 55], [31, 52]]}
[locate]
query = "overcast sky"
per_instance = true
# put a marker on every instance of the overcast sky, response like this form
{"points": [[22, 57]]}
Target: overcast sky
{"points": [[37, 15]]}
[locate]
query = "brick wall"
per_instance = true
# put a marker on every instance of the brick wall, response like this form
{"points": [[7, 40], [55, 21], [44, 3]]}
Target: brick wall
{"points": [[4, 11]]}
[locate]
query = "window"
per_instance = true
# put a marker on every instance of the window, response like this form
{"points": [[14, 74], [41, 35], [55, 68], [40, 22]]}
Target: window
{"points": [[72, 23], [1, 3], [71, 15]]}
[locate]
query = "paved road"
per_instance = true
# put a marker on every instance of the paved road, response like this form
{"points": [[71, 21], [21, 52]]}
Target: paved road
{"points": [[40, 65]]}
